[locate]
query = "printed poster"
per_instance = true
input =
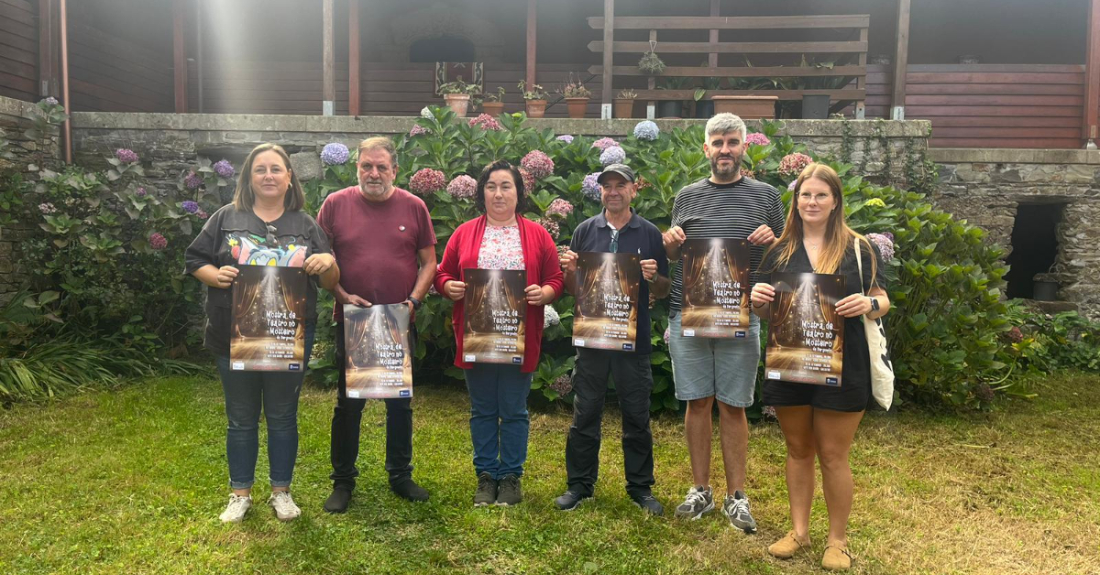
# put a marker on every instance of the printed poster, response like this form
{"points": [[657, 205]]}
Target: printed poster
{"points": [[605, 315], [716, 288], [378, 358], [268, 324], [496, 312], [805, 334]]}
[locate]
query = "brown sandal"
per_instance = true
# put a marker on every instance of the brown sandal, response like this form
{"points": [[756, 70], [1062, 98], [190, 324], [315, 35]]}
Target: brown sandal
{"points": [[836, 558], [788, 546]]}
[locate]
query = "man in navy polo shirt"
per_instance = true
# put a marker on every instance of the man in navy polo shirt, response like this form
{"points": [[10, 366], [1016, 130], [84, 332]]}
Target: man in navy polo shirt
{"points": [[618, 230]]}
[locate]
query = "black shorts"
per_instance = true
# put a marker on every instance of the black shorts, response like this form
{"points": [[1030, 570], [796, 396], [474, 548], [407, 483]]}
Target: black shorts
{"points": [[850, 396]]}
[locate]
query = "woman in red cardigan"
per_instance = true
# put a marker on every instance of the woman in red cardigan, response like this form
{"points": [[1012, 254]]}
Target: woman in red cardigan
{"points": [[501, 239]]}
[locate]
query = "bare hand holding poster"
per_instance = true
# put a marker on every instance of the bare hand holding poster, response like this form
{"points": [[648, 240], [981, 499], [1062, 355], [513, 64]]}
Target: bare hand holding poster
{"points": [[268, 329], [376, 340], [605, 315], [716, 288], [496, 312], [805, 334]]}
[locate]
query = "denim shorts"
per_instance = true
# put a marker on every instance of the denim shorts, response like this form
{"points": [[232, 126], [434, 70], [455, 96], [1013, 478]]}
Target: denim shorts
{"points": [[711, 367]]}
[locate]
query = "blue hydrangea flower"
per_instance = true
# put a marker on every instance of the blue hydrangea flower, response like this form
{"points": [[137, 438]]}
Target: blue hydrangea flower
{"points": [[566, 138], [612, 155], [334, 154], [224, 169], [646, 130], [591, 187], [190, 207]]}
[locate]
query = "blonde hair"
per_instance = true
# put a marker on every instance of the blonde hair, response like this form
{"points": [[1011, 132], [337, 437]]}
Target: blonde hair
{"points": [[838, 236], [244, 197]]}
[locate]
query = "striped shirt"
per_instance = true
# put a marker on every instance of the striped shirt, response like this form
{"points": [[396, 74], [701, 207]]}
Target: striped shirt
{"points": [[707, 210]]}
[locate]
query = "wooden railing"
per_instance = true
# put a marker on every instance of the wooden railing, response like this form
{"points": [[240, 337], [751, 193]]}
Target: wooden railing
{"points": [[852, 29]]}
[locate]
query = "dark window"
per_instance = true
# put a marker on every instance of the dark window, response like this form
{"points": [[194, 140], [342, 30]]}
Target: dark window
{"points": [[442, 49], [1034, 246]]}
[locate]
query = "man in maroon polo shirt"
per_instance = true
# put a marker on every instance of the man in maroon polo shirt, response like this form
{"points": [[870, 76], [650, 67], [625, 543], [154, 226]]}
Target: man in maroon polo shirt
{"points": [[383, 237]]}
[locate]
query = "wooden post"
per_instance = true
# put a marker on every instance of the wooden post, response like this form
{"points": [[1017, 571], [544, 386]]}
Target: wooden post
{"points": [[353, 58], [1092, 76], [608, 57], [328, 66], [179, 54], [651, 84], [901, 63], [861, 82], [712, 58], [532, 40], [200, 69], [47, 49]]}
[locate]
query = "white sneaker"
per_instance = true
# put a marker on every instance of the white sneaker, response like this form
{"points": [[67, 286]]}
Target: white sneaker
{"points": [[284, 506], [236, 510]]}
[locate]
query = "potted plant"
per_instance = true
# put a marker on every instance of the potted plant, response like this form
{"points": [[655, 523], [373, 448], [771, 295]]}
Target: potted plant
{"points": [[534, 98], [671, 108], [650, 63], [457, 95], [576, 97], [624, 103], [494, 102]]}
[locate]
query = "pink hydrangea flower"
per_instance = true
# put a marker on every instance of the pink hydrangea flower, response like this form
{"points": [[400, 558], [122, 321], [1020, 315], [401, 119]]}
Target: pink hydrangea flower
{"points": [[486, 122], [126, 156], [757, 139], [792, 164], [563, 385], [193, 181], [559, 208], [551, 226], [418, 130], [462, 186], [604, 143], [426, 181], [157, 241], [747, 173], [538, 164], [528, 181]]}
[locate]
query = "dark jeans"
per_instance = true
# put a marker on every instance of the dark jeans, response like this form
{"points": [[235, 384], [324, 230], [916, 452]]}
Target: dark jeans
{"points": [[345, 430], [499, 424], [246, 392], [633, 384]]}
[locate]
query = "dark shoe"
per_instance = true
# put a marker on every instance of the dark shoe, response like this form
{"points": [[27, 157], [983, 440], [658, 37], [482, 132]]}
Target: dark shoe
{"points": [[650, 504], [486, 493], [737, 509], [408, 489], [569, 500], [509, 491], [338, 501]]}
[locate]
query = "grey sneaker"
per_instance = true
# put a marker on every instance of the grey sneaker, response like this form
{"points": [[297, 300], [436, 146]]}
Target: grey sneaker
{"points": [[736, 508], [486, 493], [699, 500], [284, 506], [236, 510], [509, 491]]}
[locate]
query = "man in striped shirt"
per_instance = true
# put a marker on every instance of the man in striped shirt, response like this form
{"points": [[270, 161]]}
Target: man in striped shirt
{"points": [[725, 205]]}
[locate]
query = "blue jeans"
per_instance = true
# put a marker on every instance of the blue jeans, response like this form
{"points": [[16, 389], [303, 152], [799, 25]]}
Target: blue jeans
{"points": [[246, 392], [498, 417]]}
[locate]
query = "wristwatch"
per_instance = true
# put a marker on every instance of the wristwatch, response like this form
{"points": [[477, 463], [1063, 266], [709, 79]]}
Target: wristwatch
{"points": [[874, 304], [417, 303]]}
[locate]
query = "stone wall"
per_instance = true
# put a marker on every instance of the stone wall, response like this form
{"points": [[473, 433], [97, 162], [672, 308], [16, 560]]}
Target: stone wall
{"points": [[987, 187], [24, 155]]}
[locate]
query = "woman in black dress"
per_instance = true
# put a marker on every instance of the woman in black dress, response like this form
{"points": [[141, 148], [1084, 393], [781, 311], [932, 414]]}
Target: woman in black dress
{"points": [[817, 420]]}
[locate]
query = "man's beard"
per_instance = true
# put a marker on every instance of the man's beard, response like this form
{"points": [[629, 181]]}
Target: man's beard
{"points": [[372, 193], [734, 169]]}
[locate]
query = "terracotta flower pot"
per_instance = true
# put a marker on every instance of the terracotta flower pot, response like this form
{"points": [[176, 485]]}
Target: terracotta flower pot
{"points": [[493, 108], [747, 107], [577, 107], [536, 108], [459, 103], [624, 107]]}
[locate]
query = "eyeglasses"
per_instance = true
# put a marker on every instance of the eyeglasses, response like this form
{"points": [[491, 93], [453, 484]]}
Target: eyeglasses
{"points": [[614, 241]]}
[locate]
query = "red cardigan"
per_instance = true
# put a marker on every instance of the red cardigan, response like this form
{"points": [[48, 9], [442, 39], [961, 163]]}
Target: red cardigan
{"points": [[540, 257]]}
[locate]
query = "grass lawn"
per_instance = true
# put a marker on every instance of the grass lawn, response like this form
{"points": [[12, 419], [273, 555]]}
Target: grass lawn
{"points": [[132, 481]]}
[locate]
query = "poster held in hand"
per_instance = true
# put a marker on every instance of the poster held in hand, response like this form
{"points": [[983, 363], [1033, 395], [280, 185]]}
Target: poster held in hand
{"points": [[268, 325], [605, 315], [715, 300], [378, 358], [805, 334], [496, 310]]}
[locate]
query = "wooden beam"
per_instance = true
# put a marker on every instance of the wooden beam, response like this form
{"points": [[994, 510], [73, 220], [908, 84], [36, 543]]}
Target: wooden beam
{"points": [[738, 71], [328, 64], [353, 58], [901, 62], [47, 49], [179, 54], [736, 47], [734, 23], [781, 94], [608, 58], [532, 39], [1092, 76], [712, 58]]}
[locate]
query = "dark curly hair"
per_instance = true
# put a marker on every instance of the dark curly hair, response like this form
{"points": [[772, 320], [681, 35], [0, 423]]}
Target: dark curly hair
{"points": [[517, 178]]}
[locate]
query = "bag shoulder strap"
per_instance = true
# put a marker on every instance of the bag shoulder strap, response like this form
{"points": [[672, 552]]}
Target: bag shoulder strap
{"points": [[859, 263]]}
